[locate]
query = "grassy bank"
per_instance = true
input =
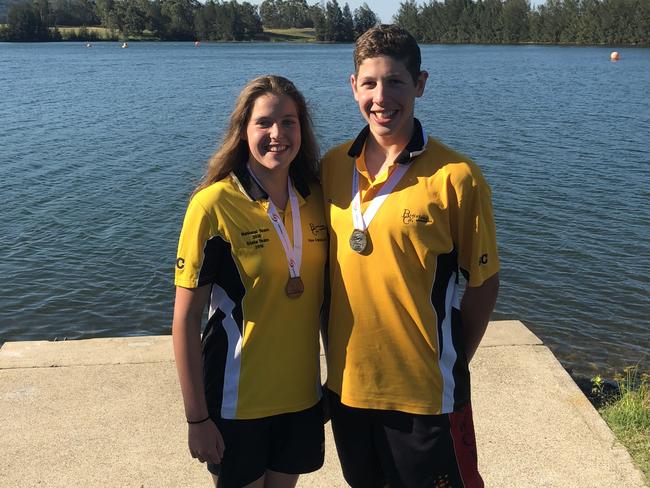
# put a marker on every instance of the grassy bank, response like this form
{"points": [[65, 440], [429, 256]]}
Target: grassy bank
{"points": [[627, 412], [100, 34], [290, 35], [104, 34]]}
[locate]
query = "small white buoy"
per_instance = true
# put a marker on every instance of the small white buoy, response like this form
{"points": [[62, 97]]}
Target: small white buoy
{"points": [[197, 43], [615, 56], [125, 45]]}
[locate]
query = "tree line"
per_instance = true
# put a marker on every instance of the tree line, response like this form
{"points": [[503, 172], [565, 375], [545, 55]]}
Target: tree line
{"points": [[514, 21], [180, 20], [448, 21]]}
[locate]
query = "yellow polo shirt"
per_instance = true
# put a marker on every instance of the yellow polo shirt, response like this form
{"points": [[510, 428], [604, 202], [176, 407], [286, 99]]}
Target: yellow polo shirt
{"points": [[260, 347], [395, 340]]}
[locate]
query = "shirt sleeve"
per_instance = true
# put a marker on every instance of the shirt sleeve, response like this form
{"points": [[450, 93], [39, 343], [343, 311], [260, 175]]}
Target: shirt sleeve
{"points": [[192, 268], [473, 222]]}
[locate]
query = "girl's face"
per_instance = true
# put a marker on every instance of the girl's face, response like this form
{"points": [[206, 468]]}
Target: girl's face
{"points": [[273, 132]]}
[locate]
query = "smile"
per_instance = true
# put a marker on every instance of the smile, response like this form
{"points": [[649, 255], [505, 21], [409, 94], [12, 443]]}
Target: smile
{"points": [[276, 149], [384, 114]]}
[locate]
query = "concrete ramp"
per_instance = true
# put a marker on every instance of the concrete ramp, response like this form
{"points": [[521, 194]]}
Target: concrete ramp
{"points": [[108, 413]]}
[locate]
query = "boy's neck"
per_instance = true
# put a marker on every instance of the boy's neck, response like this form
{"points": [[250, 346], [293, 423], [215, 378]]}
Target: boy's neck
{"points": [[381, 152]]}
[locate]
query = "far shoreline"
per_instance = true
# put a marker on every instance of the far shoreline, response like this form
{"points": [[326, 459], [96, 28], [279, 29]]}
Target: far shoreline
{"points": [[98, 34]]}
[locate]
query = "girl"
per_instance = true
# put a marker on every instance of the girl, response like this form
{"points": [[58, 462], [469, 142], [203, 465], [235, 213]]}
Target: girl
{"points": [[253, 247]]}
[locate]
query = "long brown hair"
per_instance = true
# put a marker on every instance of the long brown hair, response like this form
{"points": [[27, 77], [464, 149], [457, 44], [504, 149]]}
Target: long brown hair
{"points": [[234, 150]]}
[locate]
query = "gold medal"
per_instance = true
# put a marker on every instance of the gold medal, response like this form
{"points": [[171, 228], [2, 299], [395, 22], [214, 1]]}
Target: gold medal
{"points": [[294, 287], [358, 241]]}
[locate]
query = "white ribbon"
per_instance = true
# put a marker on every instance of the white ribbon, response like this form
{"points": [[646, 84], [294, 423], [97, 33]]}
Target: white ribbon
{"points": [[362, 221], [293, 253]]}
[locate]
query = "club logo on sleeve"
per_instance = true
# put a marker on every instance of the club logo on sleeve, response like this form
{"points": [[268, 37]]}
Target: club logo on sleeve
{"points": [[180, 263], [483, 260], [409, 217]]}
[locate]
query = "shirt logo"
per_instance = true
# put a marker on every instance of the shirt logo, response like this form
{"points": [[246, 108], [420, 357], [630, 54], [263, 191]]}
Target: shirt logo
{"points": [[180, 263], [483, 260], [317, 229], [409, 217], [256, 238]]}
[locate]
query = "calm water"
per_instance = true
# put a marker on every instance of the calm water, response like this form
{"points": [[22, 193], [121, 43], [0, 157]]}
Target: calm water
{"points": [[99, 149]]}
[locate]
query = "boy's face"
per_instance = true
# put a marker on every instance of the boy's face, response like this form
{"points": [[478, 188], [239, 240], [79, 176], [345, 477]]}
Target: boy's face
{"points": [[386, 94]]}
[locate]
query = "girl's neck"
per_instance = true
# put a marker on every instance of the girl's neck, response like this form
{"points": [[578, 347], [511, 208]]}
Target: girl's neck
{"points": [[274, 182]]}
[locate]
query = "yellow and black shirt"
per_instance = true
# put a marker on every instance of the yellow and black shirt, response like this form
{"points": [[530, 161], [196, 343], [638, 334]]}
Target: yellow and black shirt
{"points": [[395, 340], [260, 347]]}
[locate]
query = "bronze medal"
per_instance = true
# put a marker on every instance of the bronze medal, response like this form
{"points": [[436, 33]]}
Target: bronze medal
{"points": [[294, 287], [358, 241]]}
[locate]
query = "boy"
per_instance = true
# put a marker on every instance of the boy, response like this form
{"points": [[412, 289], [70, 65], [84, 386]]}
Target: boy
{"points": [[406, 213]]}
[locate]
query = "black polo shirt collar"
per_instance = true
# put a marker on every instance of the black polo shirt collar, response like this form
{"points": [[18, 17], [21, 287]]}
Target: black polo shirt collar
{"points": [[256, 192], [414, 148]]}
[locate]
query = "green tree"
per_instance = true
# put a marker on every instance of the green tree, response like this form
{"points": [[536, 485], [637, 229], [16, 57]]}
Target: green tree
{"points": [[107, 13], [270, 14], [432, 22], [25, 24], [294, 13], [319, 20], [407, 17], [180, 26], [333, 20], [514, 15], [155, 20], [346, 33], [364, 19], [133, 19], [250, 20]]}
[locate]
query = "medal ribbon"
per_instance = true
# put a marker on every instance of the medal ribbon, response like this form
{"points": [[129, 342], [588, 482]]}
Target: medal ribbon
{"points": [[293, 253], [362, 221]]}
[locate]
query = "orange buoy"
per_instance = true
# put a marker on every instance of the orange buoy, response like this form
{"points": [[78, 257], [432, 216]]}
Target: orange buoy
{"points": [[614, 56]]}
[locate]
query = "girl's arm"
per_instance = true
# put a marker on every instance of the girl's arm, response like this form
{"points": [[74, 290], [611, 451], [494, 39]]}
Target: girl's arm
{"points": [[205, 441]]}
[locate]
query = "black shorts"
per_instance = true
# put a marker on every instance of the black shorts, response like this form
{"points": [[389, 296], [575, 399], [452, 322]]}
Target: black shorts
{"points": [[404, 450], [291, 443]]}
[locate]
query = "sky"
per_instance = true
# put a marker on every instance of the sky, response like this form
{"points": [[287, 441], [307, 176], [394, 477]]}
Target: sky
{"points": [[385, 9]]}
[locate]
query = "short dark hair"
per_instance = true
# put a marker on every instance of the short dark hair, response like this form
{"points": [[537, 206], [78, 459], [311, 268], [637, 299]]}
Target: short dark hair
{"points": [[389, 40]]}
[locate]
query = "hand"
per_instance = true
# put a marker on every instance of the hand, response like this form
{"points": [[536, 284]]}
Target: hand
{"points": [[205, 442]]}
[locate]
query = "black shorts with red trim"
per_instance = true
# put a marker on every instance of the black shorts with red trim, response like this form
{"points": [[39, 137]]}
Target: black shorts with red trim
{"points": [[403, 450], [292, 443]]}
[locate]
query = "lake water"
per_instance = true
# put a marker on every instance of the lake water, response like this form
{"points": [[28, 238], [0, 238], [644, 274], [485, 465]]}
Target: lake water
{"points": [[100, 148]]}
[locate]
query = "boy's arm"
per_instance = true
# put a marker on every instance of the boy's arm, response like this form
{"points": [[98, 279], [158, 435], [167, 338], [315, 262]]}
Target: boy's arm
{"points": [[475, 309]]}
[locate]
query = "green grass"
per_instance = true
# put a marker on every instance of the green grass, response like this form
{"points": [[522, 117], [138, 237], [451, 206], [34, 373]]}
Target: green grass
{"points": [[104, 34], [628, 415], [290, 35], [100, 31]]}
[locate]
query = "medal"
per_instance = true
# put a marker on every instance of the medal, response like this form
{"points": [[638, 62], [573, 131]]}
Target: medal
{"points": [[294, 287], [361, 221], [358, 241]]}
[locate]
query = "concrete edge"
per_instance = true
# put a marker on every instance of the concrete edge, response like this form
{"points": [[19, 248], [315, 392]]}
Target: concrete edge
{"points": [[147, 349], [85, 352], [592, 418]]}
